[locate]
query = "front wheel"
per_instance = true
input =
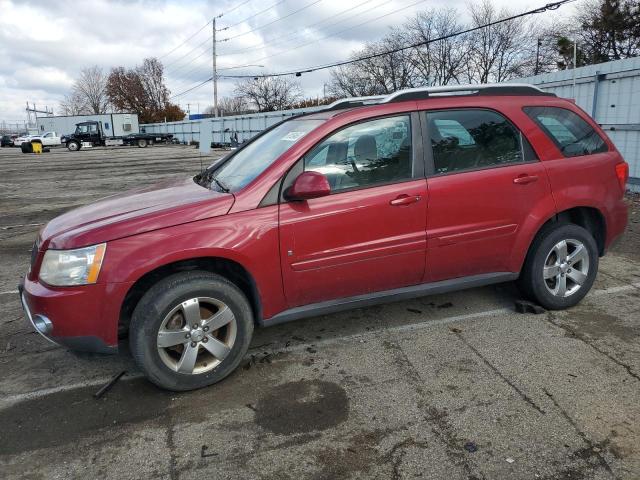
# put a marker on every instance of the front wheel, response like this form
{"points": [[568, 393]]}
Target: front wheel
{"points": [[561, 266], [142, 143], [73, 146], [190, 330]]}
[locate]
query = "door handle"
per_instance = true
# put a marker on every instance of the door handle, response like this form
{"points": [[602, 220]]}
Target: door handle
{"points": [[525, 179], [404, 199]]}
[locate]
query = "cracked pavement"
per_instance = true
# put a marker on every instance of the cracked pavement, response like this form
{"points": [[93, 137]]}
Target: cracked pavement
{"points": [[448, 386]]}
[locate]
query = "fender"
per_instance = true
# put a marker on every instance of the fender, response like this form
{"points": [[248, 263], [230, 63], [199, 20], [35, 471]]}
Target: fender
{"points": [[252, 244]]}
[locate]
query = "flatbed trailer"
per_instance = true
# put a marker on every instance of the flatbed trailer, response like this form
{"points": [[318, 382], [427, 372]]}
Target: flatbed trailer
{"points": [[91, 134]]}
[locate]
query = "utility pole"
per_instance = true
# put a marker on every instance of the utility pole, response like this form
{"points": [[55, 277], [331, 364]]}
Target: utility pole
{"points": [[538, 57], [215, 74]]}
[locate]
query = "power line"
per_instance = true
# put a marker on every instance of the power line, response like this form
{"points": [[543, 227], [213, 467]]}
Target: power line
{"points": [[209, 50], [549, 6], [203, 27], [272, 22], [338, 32], [234, 8], [191, 89], [174, 49], [251, 16], [192, 60], [189, 52], [277, 40], [239, 35]]}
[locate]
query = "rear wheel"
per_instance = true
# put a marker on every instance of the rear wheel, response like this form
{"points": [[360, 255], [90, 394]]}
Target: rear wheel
{"points": [[191, 330], [561, 266]]}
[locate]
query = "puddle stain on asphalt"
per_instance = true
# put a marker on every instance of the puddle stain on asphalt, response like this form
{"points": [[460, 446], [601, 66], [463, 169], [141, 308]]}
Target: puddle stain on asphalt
{"points": [[70, 415], [598, 325], [302, 406]]}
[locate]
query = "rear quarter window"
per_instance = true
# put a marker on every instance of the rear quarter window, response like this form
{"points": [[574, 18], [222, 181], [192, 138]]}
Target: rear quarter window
{"points": [[571, 134]]}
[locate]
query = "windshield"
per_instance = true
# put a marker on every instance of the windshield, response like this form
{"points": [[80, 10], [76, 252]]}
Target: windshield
{"points": [[254, 159]]}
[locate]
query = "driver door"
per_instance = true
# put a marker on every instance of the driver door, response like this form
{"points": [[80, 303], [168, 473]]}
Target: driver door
{"points": [[369, 234]]}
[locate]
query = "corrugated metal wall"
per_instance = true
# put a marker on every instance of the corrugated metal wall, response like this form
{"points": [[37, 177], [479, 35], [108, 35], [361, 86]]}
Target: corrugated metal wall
{"points": [[610, 92], [246, 126]]}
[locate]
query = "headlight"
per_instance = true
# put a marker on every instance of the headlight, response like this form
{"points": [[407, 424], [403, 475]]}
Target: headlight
{"points": [[72, 267]]}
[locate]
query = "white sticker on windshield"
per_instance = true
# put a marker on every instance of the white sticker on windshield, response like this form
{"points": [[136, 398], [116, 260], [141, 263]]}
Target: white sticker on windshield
{"points": [[292, 136]]}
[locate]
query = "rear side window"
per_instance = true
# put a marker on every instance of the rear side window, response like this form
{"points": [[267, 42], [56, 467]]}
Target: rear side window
{"points": [[573, 136], [472, 139]]}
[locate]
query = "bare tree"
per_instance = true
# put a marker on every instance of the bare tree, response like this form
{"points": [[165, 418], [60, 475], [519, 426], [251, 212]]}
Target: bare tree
{"points": [[229, 106], [91, 86], [350, 81], [438, 62], [151, 75], [378, 75], [73, 104], [269, 93], [88, 94], [498, 52]]}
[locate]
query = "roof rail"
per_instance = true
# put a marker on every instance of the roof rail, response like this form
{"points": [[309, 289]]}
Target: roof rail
{"points": [[420, 93], [354, 102], [479, 89]]}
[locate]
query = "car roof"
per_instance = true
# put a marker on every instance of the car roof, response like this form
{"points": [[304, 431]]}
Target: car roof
{"points": [[422, 93]]}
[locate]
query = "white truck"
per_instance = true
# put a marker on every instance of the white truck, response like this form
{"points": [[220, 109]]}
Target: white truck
{"points": [[47, 139]]}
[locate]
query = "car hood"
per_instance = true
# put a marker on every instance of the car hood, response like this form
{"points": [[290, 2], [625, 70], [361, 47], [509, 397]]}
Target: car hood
{"points": [[136, 211]]}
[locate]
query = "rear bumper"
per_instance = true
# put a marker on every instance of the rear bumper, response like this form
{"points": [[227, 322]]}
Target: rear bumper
{"points": [[82, 318], [617, 221]]}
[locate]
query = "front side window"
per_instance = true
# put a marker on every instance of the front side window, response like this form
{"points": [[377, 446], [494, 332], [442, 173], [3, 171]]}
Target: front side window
{"points": [[366, 154], [573, 136], [472, 139], [253, 159]]}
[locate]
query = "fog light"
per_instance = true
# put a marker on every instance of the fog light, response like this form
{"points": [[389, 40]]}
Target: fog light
{"points": [[42, 324]]}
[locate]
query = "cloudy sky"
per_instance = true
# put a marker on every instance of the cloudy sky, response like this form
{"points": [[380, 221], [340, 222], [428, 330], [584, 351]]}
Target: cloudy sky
{"points": [[44, 44]]}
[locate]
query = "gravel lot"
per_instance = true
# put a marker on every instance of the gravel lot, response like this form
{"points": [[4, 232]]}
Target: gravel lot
{"points": [[450, 386]]}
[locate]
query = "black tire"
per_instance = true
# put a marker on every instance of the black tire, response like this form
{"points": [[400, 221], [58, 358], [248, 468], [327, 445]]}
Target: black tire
{"points": [[532, 282], [26, 147], [142, 143], [160, 300], [73, 146]]}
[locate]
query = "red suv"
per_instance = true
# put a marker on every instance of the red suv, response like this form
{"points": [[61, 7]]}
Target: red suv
{"points": [[371, 200]]}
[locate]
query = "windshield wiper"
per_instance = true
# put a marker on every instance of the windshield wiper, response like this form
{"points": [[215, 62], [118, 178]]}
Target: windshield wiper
{"points": [[220, 184]]}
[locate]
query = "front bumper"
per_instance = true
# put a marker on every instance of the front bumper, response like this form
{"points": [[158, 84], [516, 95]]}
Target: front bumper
{"points": [[75, 317], [40, 323]]}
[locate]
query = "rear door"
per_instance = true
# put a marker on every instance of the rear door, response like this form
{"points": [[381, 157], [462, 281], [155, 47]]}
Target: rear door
{"points": [[483, 181], [369, 234]]}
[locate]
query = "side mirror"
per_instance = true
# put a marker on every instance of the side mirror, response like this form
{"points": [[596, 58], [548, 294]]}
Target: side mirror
{"points": [[308, 185]]}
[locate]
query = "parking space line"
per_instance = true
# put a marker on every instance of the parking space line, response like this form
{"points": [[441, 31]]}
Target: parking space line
{"points": [[402, 328], [10, 400], [618, 289]]}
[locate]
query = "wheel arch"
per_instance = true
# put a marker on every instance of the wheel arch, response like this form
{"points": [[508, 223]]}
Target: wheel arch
{"points": [[589, 218], [230, 269]]}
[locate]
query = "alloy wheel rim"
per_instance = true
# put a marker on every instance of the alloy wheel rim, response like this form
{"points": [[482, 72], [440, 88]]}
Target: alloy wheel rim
{"points": [[566, 268], [196, 335]]}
